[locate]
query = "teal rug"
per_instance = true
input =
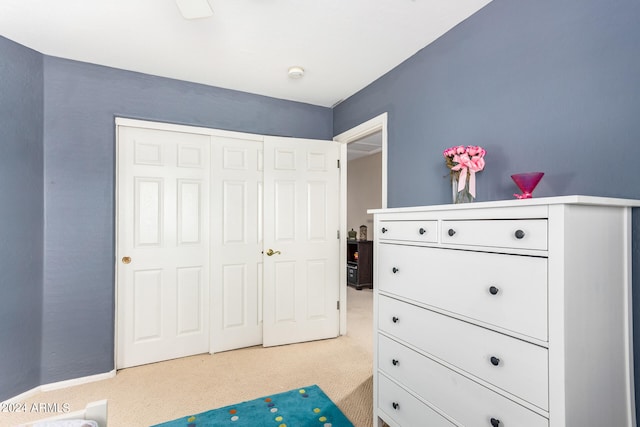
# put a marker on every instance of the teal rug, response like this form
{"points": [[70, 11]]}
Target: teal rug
{"points": [[302, 407]]}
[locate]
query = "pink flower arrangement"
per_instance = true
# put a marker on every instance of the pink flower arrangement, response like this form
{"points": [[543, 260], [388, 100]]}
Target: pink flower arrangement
{"points": [[463, 163]]}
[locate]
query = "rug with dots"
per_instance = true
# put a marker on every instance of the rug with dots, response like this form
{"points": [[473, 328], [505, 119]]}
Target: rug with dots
{"points": [[301, 407]]}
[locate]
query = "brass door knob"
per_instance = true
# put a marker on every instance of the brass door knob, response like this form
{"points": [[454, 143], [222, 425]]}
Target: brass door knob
{"points": [[126, 259], [271, 252]]}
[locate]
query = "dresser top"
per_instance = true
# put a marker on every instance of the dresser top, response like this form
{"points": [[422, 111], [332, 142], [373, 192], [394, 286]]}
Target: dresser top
{"points": [[510, 203]]}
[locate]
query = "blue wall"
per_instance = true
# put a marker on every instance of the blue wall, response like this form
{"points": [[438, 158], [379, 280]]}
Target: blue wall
{"points": [[542, 84], [21, 216], [548, 85], [57, 176], [81, 101]]}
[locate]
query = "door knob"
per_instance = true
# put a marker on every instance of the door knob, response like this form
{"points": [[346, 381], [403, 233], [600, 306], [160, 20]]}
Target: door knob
{"points": [[126, 259], [271, 252]]}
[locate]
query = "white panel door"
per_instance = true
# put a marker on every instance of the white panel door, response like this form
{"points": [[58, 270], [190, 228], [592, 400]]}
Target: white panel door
{"points": [[236, 226], [162, 245], [301, 245]]}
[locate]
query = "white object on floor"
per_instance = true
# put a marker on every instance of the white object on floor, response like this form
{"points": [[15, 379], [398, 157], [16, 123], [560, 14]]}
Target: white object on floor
{"points": [[67, 423], [93, 415]]}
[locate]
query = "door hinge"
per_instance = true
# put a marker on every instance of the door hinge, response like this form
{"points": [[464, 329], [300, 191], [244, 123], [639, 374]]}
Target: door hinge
{"points": [[338, 163], [338, 234], [338, 305]]}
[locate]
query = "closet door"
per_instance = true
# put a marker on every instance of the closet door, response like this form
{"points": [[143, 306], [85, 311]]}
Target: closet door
{"points": [[236, 206], [225, 240], [301, 245], [162, 245]]}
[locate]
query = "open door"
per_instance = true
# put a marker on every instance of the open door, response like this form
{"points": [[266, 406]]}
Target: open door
{"points": [[301, 241]]}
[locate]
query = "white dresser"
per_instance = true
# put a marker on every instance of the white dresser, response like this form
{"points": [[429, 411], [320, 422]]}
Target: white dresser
{"points": [[504, 314]]}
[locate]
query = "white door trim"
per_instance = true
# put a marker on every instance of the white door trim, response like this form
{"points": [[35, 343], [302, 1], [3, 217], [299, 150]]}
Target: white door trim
{"points": [[121, 121], [376, 124]]}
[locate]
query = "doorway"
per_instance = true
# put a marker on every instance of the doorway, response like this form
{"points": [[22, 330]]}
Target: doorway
{"points": [[374, 129]]}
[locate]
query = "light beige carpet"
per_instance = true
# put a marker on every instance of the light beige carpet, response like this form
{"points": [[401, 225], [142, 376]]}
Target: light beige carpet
{"points": [[154, 393]]}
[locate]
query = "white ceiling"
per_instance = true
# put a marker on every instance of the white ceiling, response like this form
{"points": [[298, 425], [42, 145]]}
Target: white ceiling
{"points": [[246, 45], [365, 146]]}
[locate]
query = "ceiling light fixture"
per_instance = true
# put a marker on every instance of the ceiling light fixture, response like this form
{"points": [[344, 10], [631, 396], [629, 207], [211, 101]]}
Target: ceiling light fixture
{"points": [[296, 72], [194, 9]]}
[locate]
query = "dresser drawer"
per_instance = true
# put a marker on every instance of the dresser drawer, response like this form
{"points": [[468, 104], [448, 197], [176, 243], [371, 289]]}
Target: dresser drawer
{"points": [[352, 274], [515, 233], [419, 374], [508, 291], [404, 409], [511, 364], [414, 231]]}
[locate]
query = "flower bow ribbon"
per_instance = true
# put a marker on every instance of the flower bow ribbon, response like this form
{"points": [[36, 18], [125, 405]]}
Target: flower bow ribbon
{"points": [[471, 165]]}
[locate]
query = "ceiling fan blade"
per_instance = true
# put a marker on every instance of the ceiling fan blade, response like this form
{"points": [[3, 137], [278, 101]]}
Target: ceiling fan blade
{"points": [[194, 9]]}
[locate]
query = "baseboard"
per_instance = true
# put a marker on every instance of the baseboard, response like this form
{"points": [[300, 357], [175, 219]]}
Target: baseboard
{"points": [[60, 384]]}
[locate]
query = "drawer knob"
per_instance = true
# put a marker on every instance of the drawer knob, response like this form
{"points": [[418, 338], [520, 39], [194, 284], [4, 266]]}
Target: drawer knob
{"points": [[495, 361], [495, 422], [395, 405], [422, 231], [519, 234], [493, 290], [451, 232], [395, 270], [394, 319], [395, 362], [384, 230]]}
